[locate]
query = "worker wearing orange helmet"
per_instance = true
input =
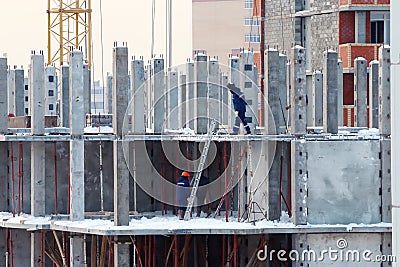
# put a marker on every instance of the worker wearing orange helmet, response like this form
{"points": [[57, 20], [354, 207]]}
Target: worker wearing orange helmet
{"points": [[183, 193]]}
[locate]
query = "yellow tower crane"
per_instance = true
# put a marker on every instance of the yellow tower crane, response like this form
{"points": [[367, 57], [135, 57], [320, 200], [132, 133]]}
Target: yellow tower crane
{"points": [[69, 27]]}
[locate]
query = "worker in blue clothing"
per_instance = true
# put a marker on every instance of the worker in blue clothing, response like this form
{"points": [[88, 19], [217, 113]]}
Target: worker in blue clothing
{"points": [[239, 105], [183, 193]]}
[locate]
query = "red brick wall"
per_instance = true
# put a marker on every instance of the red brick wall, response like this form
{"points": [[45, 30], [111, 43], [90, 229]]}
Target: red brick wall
{"points": [[363, 2], [346, 27], [348, 89]]}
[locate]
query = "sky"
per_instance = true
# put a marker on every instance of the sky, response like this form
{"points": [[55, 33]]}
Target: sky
{"points": [[123, 21]]}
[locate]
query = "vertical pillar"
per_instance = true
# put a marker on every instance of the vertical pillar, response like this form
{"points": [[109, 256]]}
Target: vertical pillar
{"points": [[272, 87], [182, 94], [190, 100], [360, 92], [289, 92], [3, 96], [19, 92], [282, 93], [201, 88], [298, 91], [64, 106], [214, 90], [234, 68], [109, 93], [11, 91], [121, 172], [384, 91], [173, 96], [38, 196], [340, 93], [138, 103], [76, 257], [330, 105], [299, 244], [248, 82], [3, 130], [51, 90], [373, 93], [87, 96], [309, 98], [317, 99], [386, 180], [299, 182], [77, 124], [225, 100], [158, 94]]}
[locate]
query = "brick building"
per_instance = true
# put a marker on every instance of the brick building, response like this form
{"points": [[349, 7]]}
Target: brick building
{"points": [[355, 28]]}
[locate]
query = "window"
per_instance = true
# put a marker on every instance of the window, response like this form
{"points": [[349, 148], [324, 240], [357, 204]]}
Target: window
{"points": [[252, 38], [26, 99], [248, 67], [26, 111], [51, 93], [251, 21], [26, 87], [380, 27], [51, 79], [51, 107], [248, 4]]}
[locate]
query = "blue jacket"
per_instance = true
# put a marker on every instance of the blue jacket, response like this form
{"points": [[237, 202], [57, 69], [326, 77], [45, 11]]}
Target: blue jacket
{"points": [[182, 191], [239, 102]]}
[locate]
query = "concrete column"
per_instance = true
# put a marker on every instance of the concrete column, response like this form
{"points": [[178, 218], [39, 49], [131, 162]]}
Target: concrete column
{"points": [[4, 176], [121, 171], [309, 99], [384, 91], [77, 124], [248, 82], [373, 93], [386, 180], [234, 68], [225, 100], [191, 95], [158, 94], [182, 94], [109, 93], [36, 251], [19, 92], [137, 99], [282, 93], [360, 92], [214, 90], [173, 97], [37, 153], [289, 92], [64, 105], [11, 91], [76, 257], [3, 96], [87, 96], [299, 244], [299, 182], [330, 105], [298, 95], [316, 99], [201, 88], [340, 93], [51, 94], [272, 120]]}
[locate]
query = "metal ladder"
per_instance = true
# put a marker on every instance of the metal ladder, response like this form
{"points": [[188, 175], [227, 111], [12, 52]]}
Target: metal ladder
{"points": [[197, 178]]}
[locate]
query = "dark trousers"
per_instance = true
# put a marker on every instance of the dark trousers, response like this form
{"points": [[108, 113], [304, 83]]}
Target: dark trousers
{"points": [[241, 118]]}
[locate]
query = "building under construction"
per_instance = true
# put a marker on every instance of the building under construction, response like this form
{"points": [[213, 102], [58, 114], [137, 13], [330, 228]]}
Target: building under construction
{"points": [[81, 189]]}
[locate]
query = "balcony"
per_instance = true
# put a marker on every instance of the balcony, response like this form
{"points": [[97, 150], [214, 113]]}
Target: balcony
{"points": [[349, 52]]}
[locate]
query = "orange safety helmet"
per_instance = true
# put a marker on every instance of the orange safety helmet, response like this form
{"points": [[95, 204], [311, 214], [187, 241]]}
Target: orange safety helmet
{"points": [[186, 174]]}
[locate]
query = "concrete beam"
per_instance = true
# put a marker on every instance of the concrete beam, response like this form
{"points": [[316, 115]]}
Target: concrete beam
{"points": [[340, 93], [77, 124], [330, 95], [317, 99], [158, 106], [201, 90], [19, 92], [3, 96], [190, 97], [51, 94], [182, 94], [384, 91], [173, 97], [299, 181], [298, 98], [64, 99], [373, 94], [360, 92], [137, 98]]}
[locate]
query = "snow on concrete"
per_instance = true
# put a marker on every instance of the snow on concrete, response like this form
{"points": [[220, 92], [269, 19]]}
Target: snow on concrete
{"points": [[101, 129]]}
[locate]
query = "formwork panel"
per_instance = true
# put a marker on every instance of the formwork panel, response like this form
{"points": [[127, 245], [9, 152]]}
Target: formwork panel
{"points": [[343, 182]]}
